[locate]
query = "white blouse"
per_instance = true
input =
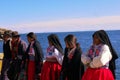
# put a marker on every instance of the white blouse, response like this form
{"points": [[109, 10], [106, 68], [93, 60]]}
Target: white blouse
{"points": [[57, 55], [102, 59]]}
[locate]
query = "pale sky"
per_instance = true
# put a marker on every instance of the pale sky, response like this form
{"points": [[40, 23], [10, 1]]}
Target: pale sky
{"points": [[59, 15]]}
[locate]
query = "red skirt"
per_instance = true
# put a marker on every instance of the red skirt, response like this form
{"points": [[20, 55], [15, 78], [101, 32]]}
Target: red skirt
{"points": [[97, 74], [31, 70], [50, 71]]}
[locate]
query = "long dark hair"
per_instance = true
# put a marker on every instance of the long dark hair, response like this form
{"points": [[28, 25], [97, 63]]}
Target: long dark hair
{"points": [[54, 40], [102, 35], [71, 40], [32, 35]]}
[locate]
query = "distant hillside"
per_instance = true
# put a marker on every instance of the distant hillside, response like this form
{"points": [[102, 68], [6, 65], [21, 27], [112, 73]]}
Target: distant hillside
{"points": [[2, 30]]}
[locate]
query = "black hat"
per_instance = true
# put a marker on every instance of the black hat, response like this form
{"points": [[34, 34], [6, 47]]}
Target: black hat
{"points": [[15, 34]]}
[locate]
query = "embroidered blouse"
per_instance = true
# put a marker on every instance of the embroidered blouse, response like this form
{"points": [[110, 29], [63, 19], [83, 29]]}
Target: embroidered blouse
{"points": [[52, 52], [31, 52], [97, 56]]}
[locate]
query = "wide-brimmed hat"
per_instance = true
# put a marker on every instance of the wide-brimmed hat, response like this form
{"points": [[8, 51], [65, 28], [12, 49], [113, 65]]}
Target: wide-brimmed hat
{"points": [[15, 34], [7, 33]]}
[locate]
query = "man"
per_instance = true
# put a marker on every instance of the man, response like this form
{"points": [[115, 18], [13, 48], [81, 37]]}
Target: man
{"points": [[7, 55], [18, 48]]}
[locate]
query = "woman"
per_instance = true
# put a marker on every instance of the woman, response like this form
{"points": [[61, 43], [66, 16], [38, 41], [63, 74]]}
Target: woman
{"points": [[99, 57], [54, 57], [72, 68], [34, 57]]}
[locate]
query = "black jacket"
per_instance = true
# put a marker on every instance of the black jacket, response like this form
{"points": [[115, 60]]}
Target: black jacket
{"points": [[6, 50], [38, 56]]}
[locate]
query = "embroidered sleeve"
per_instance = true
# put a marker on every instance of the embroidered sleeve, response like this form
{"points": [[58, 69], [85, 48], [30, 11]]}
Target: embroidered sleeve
{"points": [[104, 57], [85, 59], [58, 56], [49, 51]]}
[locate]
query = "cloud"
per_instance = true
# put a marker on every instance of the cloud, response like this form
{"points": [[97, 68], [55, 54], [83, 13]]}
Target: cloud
{"points": [[78, 24]]}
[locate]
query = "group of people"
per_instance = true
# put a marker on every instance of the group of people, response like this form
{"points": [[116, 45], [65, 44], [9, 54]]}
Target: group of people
{"points": [[21, 61], [24, 61]]}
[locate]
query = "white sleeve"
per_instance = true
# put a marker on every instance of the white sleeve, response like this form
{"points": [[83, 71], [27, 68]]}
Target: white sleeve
{"points": [[104, 57], [85, 59], [58, 56]]}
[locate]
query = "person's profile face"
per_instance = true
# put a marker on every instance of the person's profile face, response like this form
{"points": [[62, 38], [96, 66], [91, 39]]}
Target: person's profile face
{"points": [[14, 39], [70, 45], [5, 38], [29, 39], [96, 40], [67, 46], [50, 43]]}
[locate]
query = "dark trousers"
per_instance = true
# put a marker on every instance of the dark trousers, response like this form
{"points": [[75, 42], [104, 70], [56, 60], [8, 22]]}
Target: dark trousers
{"points": [[14, 69], [5, 66]]}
